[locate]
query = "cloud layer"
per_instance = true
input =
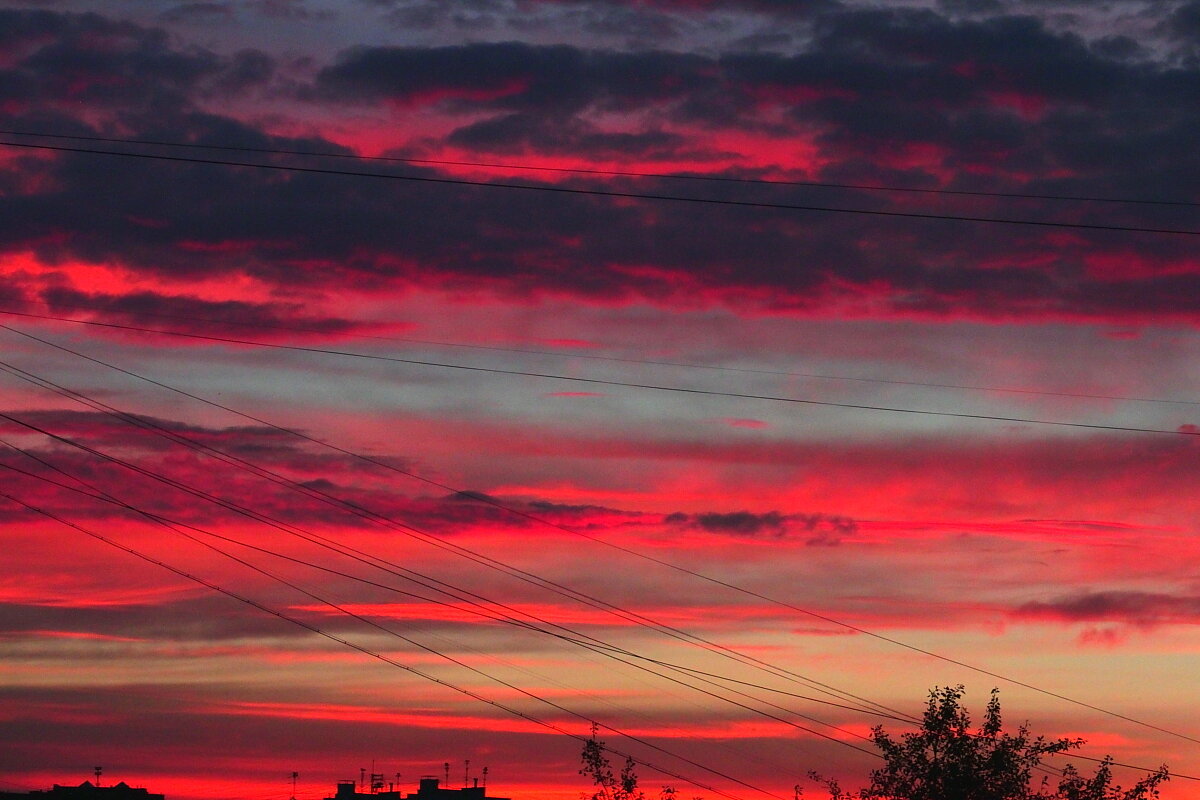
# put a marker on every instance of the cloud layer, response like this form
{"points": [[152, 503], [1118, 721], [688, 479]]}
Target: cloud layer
{"points": [[1062, 556]]}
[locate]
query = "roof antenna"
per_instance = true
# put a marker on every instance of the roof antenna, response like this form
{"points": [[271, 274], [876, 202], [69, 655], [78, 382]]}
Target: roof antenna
{"points": [[96, 771], [484, 779], [446, 768], [294, 776], [466, 773]]}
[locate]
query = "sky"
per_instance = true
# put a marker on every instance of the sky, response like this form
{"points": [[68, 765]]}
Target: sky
{"points": [[321, 472]]}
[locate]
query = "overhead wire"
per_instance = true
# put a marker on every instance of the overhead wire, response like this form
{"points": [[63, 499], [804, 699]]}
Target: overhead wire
{"points": [[610, 650], [622, 384], [410, 530], [343, 610], [606, 172], [864, 407], [595, 646], [620, 359], [620, 195], [351, 644], [416, 533], [658, 197], [693, 573], [172, 524], [481, 611]]}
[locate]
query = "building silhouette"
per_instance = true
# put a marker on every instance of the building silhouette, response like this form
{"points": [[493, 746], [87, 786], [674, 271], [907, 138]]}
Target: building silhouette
{"points": [[427, 789], [84, 791]]}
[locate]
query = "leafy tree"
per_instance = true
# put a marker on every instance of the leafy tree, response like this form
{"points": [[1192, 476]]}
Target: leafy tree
{"points": [[608, 785], [1100, 786], [947, 759]]}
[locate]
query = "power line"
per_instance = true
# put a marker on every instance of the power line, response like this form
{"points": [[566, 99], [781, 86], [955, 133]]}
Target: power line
{"points": [[347, 643], [407, 530], [104, 496], [860, 211], [340, 609], [623, 384], [573, 637], [422, 536], [564, 190], [609, 172], [199, 447], [588, 642], [661, 562], [627, 360]]}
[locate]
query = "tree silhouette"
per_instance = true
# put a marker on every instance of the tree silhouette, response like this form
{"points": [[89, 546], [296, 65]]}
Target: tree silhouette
{"points": [[609, 786], [946, 759], [949, 760], [1100, 786]]}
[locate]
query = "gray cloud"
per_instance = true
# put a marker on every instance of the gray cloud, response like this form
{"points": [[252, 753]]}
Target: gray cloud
{"points": [[1135, 608], [1003, 103], [820, 529]]}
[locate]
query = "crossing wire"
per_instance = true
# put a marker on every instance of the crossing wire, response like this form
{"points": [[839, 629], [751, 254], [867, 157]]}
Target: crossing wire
{"points": [[623, 384], [589, 642], [341, 609], [608, 650], [172, 524], [661, 562], [352, 645], [175, 525], [605, 172], [618, 359], [565, 190], [414, 532]]}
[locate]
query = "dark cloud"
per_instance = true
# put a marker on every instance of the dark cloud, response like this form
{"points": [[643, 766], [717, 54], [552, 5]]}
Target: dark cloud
{"points": [[73, 60], [182, 453], [1135, 608], [200, 488], [243, 70], [521, 133], [776, 8], [191, 314], [208, 617], [1184, 22], [57, 64], [820, 529], [627, 20], [510, 75], [290, 10], [896, 96], [199, 12], [742, 523], [971, 6], [471, 497]]}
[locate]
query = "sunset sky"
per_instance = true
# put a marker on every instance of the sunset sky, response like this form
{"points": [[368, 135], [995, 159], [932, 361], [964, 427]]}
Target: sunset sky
{"points": [[553, 435]]}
